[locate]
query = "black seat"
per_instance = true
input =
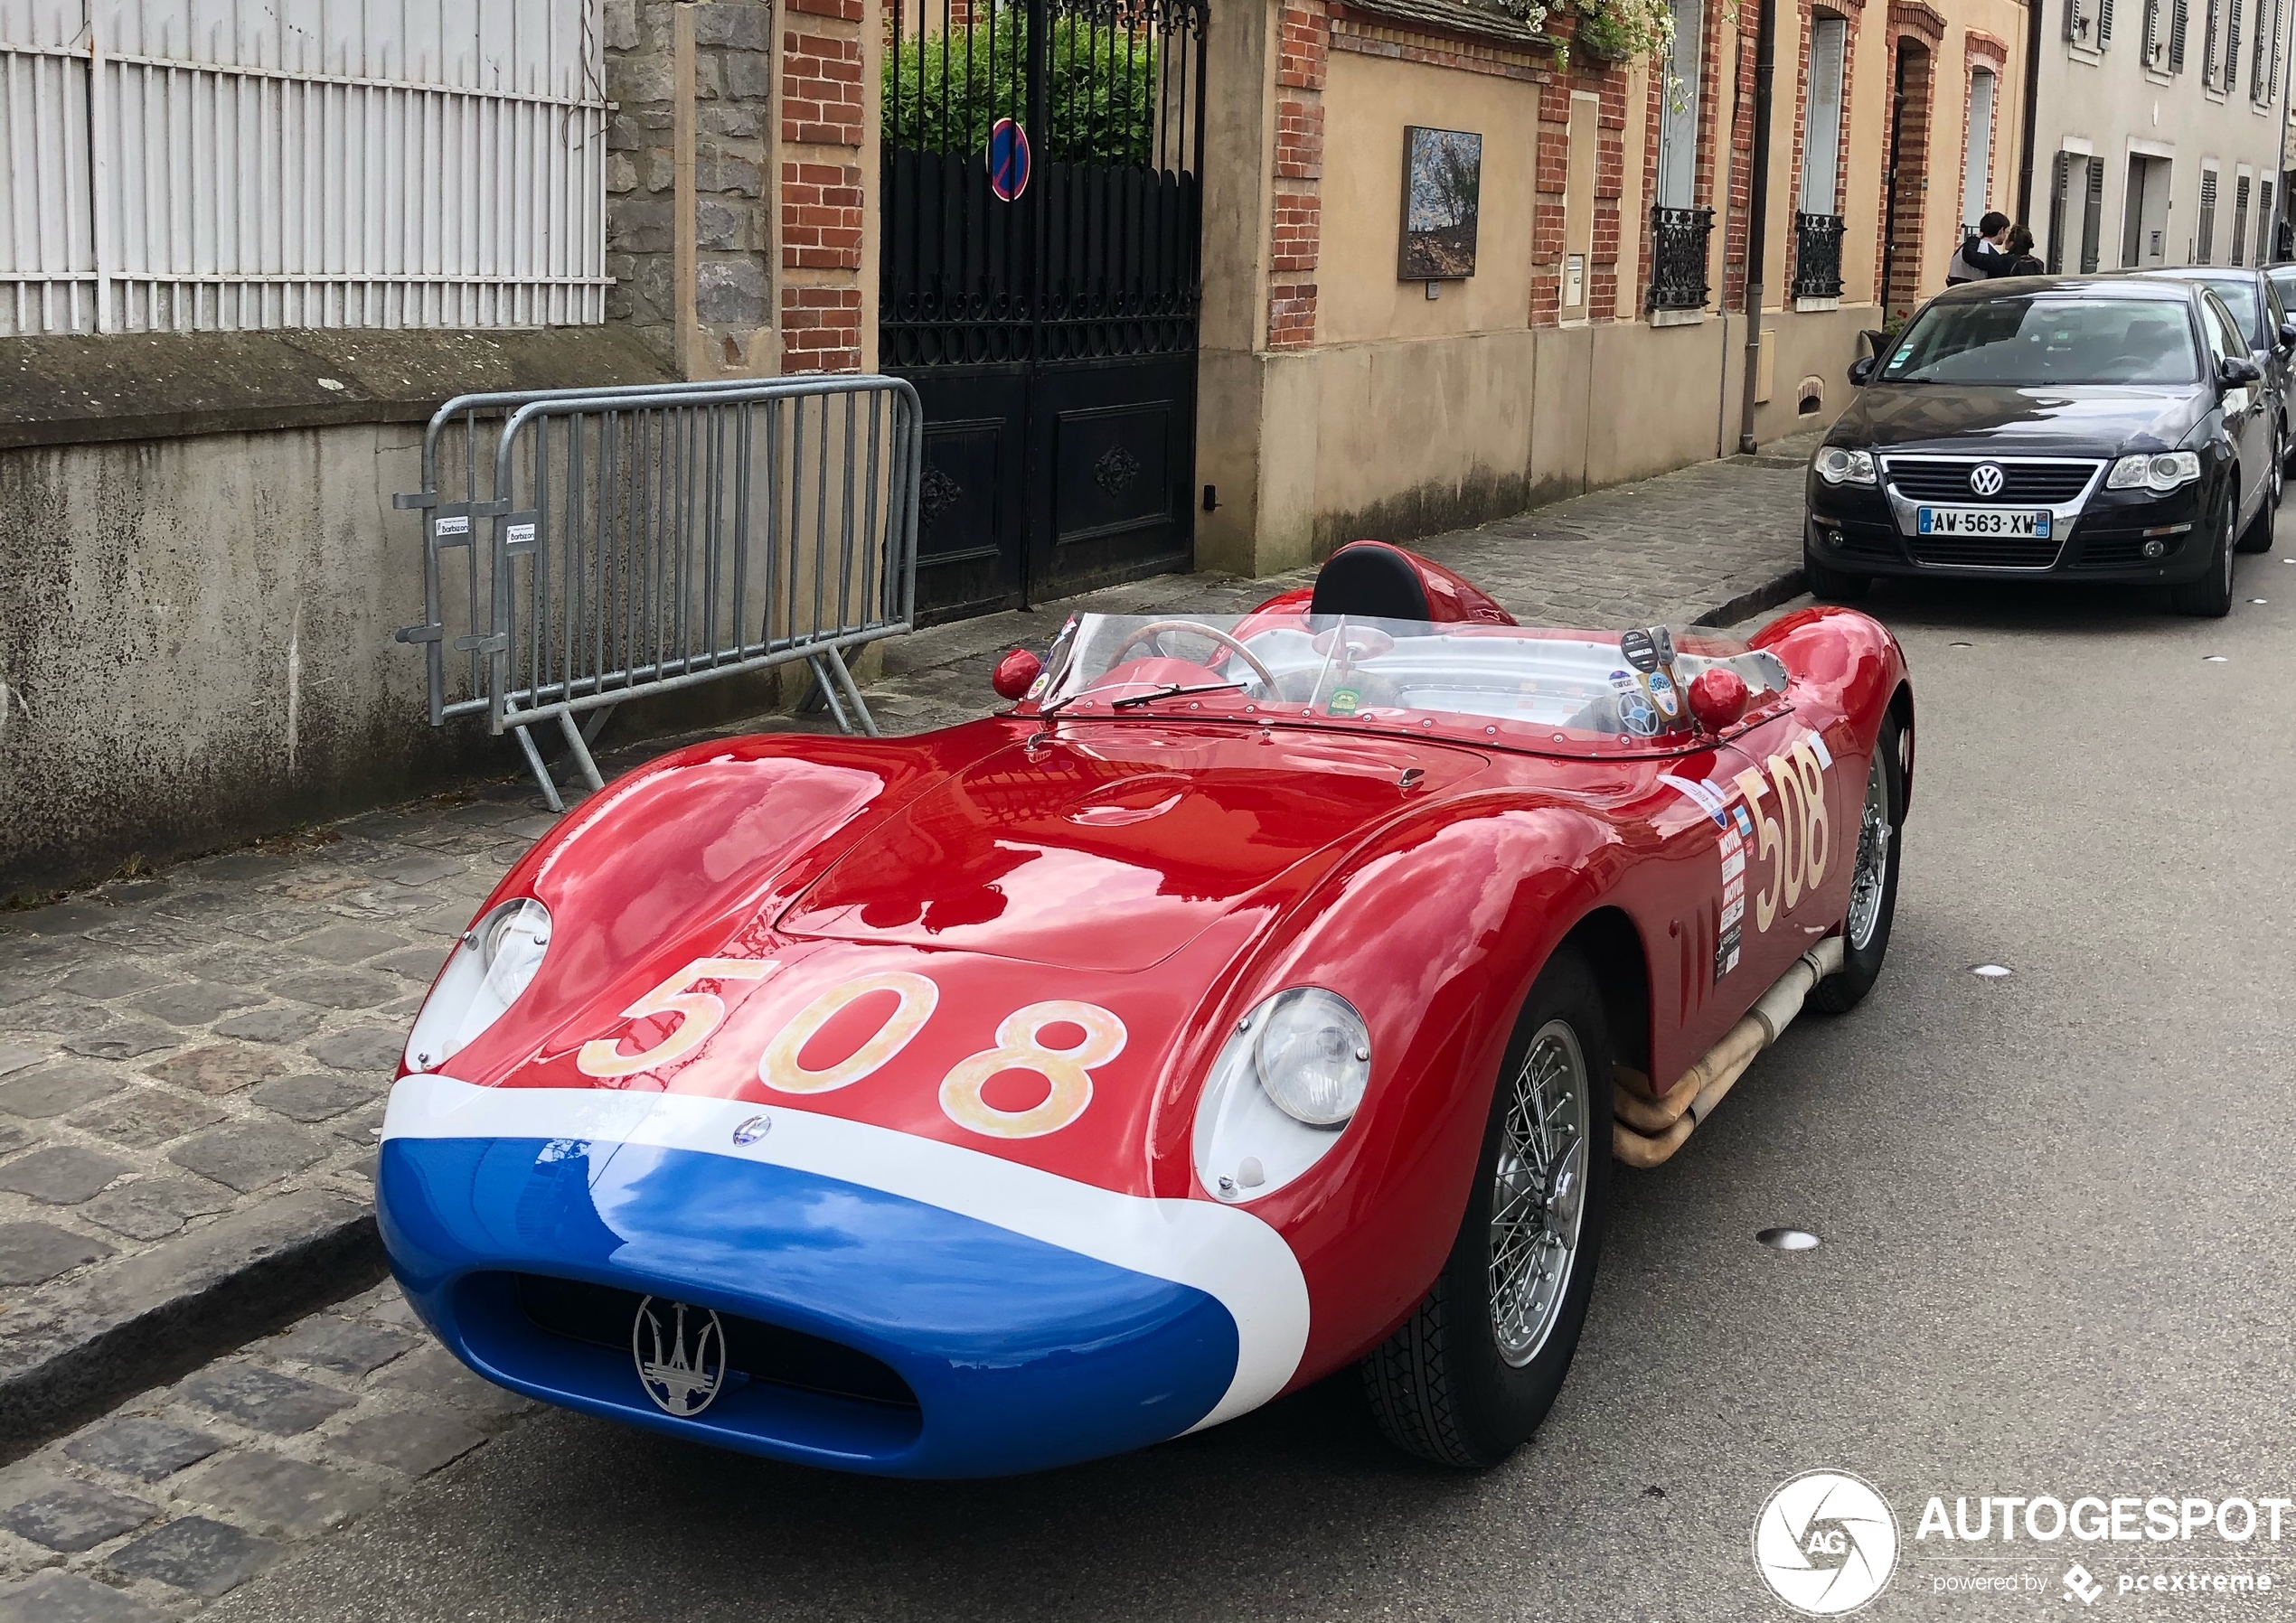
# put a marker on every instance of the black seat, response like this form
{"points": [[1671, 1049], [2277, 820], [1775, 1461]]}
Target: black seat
{"points": [[1370, 580]]}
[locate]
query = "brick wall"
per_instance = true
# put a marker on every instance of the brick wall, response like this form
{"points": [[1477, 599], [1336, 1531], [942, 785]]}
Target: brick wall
{"points": [[1548, 247], [822, 187], [1304, 55]]}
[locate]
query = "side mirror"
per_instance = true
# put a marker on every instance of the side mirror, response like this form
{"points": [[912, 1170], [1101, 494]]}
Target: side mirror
{"points": [[2287, 333], [1861, 370], [1014, 672], [1718, 698], [2236, 371]]}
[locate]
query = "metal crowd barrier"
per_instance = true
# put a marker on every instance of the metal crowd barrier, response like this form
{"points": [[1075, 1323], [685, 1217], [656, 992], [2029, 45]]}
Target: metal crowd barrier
{"points": [[643, 540]]}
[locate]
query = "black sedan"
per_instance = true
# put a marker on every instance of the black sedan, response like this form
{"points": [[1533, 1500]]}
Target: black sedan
{"points": [[2260, 310], [2107, 428]]}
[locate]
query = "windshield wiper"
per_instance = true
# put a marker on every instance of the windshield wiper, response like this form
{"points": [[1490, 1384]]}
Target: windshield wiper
{"points": [[1174, 691]]}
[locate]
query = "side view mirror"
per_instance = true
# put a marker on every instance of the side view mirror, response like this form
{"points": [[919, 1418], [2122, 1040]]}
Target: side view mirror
{"points": [[2235, 371], [2287, 333], [1861, 370], [1014, 672]]}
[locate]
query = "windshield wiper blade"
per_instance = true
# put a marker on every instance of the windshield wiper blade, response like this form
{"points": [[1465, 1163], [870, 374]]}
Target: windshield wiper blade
{"points": [[1173, 691]]}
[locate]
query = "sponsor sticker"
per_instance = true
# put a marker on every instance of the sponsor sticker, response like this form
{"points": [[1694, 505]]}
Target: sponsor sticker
{"points": [[1725, 952], [1734, 890], [1733, 866], [1635, 648], [1624, 682], [1663, 695], [1702, 796], [1818, 748], [1733, 912], [1745, 823], [1343, 702]]}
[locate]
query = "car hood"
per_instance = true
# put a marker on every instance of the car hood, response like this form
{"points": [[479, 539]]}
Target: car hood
{"points": [[2091, 420], [1110, 848]]}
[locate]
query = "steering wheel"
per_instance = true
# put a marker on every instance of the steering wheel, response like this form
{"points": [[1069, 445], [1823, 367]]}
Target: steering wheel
{"points": [[1140, 633]]}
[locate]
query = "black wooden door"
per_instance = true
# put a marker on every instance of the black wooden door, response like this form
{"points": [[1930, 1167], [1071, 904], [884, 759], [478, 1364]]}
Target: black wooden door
{"points": [[1050, 328]]}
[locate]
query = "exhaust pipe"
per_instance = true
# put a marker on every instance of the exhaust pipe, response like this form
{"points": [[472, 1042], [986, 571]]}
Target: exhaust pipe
{"points": [[1647, 1127]]}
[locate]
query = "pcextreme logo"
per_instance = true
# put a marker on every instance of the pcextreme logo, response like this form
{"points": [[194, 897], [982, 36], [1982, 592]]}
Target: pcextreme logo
{"points": [[1826, 1543]]}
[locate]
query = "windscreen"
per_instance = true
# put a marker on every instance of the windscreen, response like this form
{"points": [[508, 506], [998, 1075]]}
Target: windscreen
{"points": [[1368, 672], [2240, 298], [2036, 339]]}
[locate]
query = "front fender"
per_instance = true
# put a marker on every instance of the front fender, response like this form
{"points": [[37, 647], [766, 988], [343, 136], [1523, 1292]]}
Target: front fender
{"points": [[1434, 931]]}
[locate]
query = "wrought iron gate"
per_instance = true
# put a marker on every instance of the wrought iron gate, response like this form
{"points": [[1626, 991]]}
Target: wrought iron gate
{"points": [[1041, 275]]}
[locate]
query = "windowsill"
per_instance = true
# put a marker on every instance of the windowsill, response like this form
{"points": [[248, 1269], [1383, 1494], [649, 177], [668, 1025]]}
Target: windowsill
{"points": [[2212, 94], [1677, 318], [2160, 77], [79, 388], [2091, 54], [1806, 305]]}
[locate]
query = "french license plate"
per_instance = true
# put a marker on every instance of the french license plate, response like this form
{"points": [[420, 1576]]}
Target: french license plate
{"points": [[1984, 521]]}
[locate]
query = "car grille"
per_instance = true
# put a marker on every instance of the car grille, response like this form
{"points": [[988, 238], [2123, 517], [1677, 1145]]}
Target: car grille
{"points": [[1984, 551], [1947, 479]]}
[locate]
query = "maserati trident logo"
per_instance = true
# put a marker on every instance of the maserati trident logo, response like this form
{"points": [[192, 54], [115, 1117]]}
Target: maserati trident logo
{"points": [[682, 1375], [1826, 1543], [1985, 479]]}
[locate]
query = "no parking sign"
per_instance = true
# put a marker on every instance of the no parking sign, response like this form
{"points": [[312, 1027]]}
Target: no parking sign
{"points": [[1009, 160]]}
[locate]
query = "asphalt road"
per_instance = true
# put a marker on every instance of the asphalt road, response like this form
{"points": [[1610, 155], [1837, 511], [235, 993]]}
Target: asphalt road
{"points": [[2055, 1260]]}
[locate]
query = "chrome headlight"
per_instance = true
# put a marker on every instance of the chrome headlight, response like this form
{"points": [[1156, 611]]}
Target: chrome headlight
{"points": [[496, 958], [1289, 1078], [1837, 465], [2162, 471]]}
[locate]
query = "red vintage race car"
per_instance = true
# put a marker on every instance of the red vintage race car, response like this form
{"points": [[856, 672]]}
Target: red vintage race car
{"points": [[1256, 998]]}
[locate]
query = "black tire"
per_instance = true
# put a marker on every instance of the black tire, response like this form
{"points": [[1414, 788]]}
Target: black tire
{"points": [[1440, 1387], [2210, 597], [2258, 537], [1832, 585], [1847, 987]]}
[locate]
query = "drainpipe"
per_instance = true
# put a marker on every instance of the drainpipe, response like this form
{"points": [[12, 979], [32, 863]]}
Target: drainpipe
{"points": [[2032, 104], [2280, 175], [1757, 222]]}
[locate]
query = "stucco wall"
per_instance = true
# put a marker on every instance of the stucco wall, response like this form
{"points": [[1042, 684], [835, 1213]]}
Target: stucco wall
{"points": [[196, 637]]}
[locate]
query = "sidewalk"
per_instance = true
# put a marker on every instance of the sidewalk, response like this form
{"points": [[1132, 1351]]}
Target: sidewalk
{"points": [[192, 1063]]}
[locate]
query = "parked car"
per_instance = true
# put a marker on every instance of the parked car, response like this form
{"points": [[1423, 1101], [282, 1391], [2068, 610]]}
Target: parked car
{"points": [[2260, 312], [2106, 428], [1259, 998]]}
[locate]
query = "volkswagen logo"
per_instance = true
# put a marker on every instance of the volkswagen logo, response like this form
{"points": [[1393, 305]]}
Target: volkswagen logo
{"points": [[1985, 479], [682, 1363]]}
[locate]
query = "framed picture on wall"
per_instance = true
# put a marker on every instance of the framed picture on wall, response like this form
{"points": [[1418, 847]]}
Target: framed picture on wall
{"points": [[1442, 197]]}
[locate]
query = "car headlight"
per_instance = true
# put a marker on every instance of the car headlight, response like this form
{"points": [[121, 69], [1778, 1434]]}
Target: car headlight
{"points": [[2157, 471], [1289, 1078], [496, 958], [1838, 464]]}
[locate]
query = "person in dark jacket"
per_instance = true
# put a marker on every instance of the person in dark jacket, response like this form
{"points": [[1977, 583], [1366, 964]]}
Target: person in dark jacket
{"points": [[2021, 261], [1981, 256]]}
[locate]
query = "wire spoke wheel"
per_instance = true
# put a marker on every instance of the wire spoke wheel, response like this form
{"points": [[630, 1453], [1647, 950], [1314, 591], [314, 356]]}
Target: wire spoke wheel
{"points": [[1538, 1193], [1867, 884]]}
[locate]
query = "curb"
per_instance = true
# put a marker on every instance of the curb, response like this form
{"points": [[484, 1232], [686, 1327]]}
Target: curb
{"points": [[152, 1318], [1777, 589]]}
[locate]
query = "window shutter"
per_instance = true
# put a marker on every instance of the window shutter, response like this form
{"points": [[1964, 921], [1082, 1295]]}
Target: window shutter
{"points": [[2204, 246], [2056, 212], [2239, 222], [2209, 60], [2093, 217], [2264, 223], [2104, 23], [2232, 49], [2180, 17]]}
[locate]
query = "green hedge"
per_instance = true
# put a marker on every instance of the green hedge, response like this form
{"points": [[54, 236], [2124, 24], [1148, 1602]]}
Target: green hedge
{"points": [[944, 93]]}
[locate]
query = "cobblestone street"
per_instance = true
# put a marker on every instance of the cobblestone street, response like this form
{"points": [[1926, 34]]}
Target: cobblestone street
{"points": [[192, 1066]]}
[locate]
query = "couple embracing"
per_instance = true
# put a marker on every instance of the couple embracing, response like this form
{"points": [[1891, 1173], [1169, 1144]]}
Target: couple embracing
{"points": [[1998, 249]]}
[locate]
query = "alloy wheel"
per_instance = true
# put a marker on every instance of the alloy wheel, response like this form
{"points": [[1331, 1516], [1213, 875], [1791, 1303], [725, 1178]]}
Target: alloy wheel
{"points": [[1540, 1188]]}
